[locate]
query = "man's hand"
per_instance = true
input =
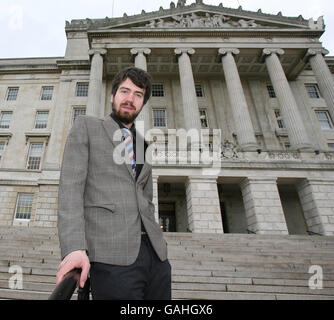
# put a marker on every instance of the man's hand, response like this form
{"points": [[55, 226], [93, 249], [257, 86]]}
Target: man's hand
{"points": [[76, 259]]}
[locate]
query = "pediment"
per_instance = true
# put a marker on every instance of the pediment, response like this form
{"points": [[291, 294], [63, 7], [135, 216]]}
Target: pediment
{"points": [[198, 16]]}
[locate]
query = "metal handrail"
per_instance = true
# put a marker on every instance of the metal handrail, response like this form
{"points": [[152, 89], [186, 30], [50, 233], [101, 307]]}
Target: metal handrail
{"points": [[66, 288]]}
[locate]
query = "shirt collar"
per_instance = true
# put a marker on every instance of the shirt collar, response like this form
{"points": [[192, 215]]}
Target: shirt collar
{"points": [[121, 125]]}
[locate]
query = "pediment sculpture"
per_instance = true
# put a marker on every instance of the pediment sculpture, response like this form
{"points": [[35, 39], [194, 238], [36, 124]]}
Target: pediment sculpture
{"points": [[195, 21]]}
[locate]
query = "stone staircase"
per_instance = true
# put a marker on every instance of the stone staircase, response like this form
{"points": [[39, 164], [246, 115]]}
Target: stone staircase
{"points": [[205, 266]]}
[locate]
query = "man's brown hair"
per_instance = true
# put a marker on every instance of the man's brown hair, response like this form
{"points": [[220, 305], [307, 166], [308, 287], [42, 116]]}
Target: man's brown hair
{"points": [[138, 76]]}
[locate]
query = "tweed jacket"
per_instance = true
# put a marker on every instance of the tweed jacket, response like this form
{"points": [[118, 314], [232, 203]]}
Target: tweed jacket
{"points": [[100, 202]]}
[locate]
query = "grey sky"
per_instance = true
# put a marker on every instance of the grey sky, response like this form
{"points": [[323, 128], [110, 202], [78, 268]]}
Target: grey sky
{"points": [[35, 28]]}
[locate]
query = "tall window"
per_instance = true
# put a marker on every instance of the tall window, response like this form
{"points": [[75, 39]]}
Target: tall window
{"points": [[41, 119], [279, 119], [82, 89], [159, 118], [313, 91], [324, 120], [12, 93], [199, 90], [271, 91], [204, 118], [78, 112], [47, 93], [158, 90], [2, 148], [35, 156], [24, 206], [5, 118]]}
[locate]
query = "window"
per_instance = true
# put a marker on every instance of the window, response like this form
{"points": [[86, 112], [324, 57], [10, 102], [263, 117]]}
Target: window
{"points": [[159, 118], [199, 90], [41, 119], [82, 89], [158, 90], [331, 146], [5, 118], [78, 112], [313, 91], [279, 119], [24, 206], [324, 120], [2, 148], [204, 118], [12, 94], [47, 93], [271, 91], [35, 156]]}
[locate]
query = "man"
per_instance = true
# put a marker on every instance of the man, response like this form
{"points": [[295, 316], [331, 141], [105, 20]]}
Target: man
{"points": [[106, 219]]}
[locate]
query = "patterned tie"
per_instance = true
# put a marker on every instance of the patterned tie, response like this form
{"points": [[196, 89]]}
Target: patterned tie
{"points": [[127, 140]]}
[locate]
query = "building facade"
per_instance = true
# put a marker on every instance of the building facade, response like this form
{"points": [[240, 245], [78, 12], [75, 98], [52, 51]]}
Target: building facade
{"points": [[258, 87]]}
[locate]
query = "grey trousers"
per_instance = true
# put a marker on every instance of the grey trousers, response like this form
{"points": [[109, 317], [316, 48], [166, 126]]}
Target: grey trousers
{"points": [[146, 279]]}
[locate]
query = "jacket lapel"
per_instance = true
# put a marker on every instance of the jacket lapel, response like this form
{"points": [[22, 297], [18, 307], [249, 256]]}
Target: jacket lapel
{"points": [[111, 127]]}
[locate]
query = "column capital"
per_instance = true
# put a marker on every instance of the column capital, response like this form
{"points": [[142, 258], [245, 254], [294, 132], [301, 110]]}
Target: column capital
{"points": [[144, 51], [267, 52], [100, 51], [225, 51], [180, 51], [313, 52]]}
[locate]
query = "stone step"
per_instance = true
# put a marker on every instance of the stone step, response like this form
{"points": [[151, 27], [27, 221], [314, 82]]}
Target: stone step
{"points": [[211, 295], [251, 288], [247, 281], [5, 276], [34, 270], [216, 295], [211, 254], [279, 289], [23, 294], [31, 286], [27, 295]]}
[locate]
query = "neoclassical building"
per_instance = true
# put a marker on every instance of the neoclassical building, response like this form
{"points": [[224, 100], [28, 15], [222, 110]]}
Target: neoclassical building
{"points": [[259, 87]]}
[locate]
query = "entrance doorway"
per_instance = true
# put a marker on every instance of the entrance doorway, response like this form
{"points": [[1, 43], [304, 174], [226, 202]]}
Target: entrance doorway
{"points": [[167, 218]]}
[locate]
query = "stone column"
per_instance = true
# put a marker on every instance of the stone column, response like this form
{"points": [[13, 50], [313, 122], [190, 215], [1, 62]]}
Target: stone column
{"points": [[264, 212], [323, 75], [243, 123], [317, 200], [203, 205], [189, 98], [141, 62], [289, 108], [56, 144], [94, 107], [156, 197]]}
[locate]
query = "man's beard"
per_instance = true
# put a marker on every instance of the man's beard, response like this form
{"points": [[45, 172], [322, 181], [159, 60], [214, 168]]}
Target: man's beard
{"points": [[124, 116]]}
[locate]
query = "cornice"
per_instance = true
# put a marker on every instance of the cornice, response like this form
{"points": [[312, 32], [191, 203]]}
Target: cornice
{"points": [[88, 24], [163, 32]]}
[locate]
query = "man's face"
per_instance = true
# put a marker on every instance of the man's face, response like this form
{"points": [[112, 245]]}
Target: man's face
{"points": [[128, 101]]}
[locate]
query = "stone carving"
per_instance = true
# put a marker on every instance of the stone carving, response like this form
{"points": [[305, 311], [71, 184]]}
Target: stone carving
{"points": [[329, 156], [229, 150], [181, 3], [284, 155], [317, 25], [195, 21]]}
